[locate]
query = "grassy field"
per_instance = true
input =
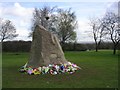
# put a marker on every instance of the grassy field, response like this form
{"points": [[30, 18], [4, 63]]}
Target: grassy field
{"points": [[99, 70]]}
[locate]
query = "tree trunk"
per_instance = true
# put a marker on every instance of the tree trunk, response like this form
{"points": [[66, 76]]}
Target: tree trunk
{"points": [[96, 47], [74, 46], [2, 41], [63, 45], [114, 49]]}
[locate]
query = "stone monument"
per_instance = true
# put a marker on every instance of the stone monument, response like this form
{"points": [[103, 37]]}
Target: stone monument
{"points": [[46, 55], [45, 49]]}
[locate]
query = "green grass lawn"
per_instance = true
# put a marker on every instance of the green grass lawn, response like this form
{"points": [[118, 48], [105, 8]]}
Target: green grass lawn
{"points": [[99, 70]]}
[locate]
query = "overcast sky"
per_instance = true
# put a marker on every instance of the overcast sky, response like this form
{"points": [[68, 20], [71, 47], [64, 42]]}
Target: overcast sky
{"points": [[20, 13]]}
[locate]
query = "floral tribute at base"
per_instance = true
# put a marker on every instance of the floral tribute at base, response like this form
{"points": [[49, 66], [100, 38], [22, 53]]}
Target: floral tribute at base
{"points": [[50, 69]]}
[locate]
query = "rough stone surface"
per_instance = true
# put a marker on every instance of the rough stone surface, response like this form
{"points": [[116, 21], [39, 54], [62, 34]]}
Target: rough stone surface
{"points": [[45, 49]]}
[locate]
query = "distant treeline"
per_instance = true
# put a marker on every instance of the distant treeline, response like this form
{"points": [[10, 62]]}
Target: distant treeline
{"points": [[24, 46], [16, 46]]}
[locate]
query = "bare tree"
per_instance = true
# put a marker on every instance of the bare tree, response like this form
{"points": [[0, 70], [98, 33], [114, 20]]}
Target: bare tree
{"points": [[45, 17], [97, 30], [66, 25], [7, 30], [60, 22], [111, 24]]}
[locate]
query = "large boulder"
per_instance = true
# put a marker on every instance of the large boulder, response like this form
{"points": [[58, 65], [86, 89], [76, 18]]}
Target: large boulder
{"points": [[45, 49]]}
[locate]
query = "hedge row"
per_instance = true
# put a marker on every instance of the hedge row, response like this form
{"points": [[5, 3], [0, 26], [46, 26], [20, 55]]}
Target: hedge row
{"points": [[24, 46]]}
